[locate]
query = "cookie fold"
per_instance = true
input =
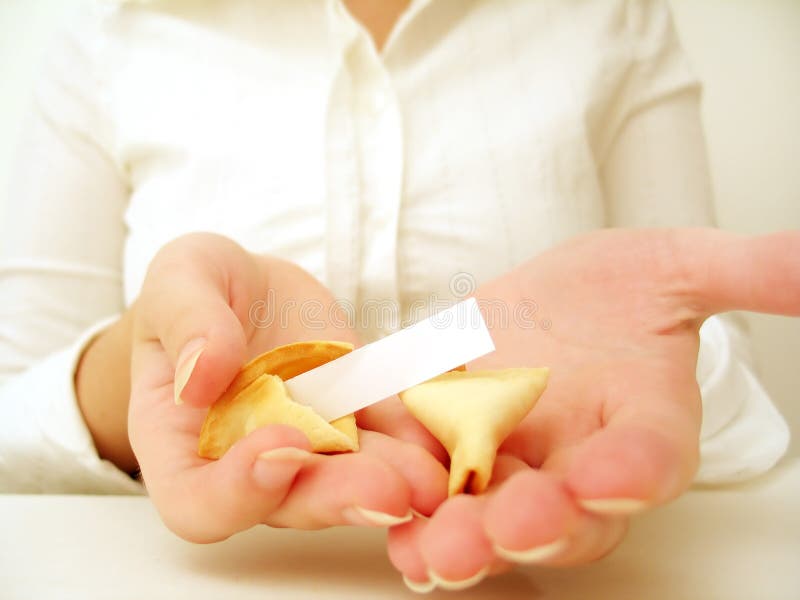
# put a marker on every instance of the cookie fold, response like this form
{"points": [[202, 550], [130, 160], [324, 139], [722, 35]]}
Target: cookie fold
{"points": [[471, 413]]}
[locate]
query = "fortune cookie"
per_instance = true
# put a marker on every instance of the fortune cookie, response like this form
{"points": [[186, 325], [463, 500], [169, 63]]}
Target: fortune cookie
{"points": [[471, 413], [257, 396]]}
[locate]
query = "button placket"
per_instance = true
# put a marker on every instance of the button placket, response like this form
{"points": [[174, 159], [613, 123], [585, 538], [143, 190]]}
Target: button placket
{"points": [[343, 192], [365, 169], [342, 172], [380, 146]]}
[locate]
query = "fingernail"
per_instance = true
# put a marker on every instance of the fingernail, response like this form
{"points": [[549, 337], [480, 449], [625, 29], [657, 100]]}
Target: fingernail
{"points": [[614, 506], [455, 586], [532, 555], [358, 515], [274, 467], [186, 361], [420, 587], [284, 454]]}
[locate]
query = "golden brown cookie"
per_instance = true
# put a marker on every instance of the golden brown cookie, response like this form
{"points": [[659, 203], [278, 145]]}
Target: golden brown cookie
{"points": [[257, 397]]}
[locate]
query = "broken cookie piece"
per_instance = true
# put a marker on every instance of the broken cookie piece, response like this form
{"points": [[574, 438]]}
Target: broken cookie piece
{"points": [[257, 397]]}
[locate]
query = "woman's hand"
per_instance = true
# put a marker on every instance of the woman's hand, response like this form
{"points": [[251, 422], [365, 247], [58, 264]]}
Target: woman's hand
{"points": [[617, 430], [194, 325]]}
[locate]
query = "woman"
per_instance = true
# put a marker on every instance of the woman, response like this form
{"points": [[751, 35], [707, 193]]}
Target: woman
{"points": [[377, 151]]}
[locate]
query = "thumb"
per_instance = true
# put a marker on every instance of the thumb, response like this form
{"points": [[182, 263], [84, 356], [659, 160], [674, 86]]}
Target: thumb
{"points": [[211, 347], [647, 450], [734, 272], [185, 308]]}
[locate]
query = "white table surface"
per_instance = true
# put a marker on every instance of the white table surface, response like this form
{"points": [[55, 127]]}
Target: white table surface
{"points": [[740, 542]]}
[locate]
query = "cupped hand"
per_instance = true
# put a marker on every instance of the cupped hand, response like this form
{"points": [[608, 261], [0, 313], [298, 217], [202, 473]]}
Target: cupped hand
{"points": [[206, 307], [617, 429]]}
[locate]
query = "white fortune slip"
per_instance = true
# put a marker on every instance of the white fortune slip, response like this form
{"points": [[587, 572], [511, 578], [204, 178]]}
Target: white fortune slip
{"points": [[395, 363]]}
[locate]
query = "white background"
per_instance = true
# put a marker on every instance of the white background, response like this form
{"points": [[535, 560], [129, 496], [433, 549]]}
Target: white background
{"points": [[746, 51]]}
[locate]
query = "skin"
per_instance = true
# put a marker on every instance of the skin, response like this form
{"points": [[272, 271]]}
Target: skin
{"points": [[377, 16], [202, 287], [617, 430], [619, 420], [104, 399]]}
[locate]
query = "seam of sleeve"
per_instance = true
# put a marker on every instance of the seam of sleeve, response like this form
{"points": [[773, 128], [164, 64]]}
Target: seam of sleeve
{"points": [[51, 266], [750, 445], [667, 57], [104, 476], [89, 456], [47, 446], [747, 435], [720, 379]]}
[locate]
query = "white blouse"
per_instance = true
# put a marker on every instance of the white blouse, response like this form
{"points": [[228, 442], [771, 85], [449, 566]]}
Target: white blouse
{"points": [[483, 133]]}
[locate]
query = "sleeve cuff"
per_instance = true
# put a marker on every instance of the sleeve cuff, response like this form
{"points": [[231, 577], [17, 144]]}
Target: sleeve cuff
{"points": [[743, 435], [46, 445]]}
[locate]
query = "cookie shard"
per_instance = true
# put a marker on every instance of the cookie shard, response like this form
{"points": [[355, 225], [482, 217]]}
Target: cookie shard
{"points": [[258, 397], [471, 413], [272, 405], [286, 362]]}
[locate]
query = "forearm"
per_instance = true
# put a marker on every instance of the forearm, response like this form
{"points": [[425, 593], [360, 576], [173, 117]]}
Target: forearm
{"points": [[102, 385]]}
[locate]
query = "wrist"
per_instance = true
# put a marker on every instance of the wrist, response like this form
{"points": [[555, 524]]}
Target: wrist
{"points": [[102, 388]]}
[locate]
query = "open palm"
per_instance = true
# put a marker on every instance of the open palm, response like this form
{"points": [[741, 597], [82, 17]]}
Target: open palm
{"points": [[617, 430]]}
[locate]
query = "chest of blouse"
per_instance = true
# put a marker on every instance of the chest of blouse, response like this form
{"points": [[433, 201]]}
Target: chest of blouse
{"points": [[462, 148]]}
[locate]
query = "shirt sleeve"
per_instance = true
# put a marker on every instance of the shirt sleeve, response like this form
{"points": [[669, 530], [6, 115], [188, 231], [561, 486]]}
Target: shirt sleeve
{"points": [[60, 275], [655, 173]]}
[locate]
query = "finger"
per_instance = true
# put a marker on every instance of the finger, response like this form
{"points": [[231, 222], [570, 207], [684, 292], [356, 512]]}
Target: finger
{"points": [[593, 537], [393, 419], [211, 501], [345, 489], [454, 544], [505, 467], [186, 306], [406, 557], [405, 549], [426, 477], [645, 454], [206, 501], [529, 517], [733, 272], [532, 519]]}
